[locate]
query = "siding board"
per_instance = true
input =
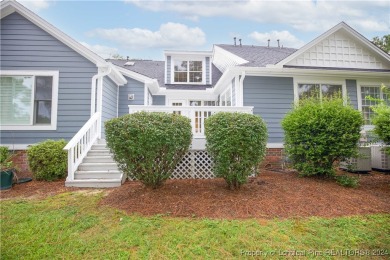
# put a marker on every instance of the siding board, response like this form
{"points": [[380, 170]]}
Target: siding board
{"points": [[132, 87], [25, 46], [272, 98], [109, 107]]}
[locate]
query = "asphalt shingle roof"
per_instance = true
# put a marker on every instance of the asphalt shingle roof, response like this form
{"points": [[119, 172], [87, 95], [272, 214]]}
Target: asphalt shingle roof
{"points": [[258, 56], [156, 70]]}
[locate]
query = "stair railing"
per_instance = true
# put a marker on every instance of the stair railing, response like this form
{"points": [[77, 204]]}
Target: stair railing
{"points": [[81, 143]]}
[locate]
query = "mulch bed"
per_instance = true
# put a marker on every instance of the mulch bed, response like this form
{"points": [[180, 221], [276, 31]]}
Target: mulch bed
{"points": [[271, 195]]}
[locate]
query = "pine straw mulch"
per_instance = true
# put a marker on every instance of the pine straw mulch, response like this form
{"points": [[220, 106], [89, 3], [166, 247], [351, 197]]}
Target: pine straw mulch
{"points": [[271, 194]]}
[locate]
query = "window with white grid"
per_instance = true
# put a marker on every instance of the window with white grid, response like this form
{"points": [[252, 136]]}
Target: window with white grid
{"points": [[370, 96]]}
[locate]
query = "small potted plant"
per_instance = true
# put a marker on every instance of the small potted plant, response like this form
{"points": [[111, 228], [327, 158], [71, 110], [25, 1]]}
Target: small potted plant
{"points": [[7, 168]]}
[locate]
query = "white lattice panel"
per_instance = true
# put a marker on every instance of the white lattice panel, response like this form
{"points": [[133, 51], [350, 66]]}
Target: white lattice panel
{"points": [[194, 165], [339, 50]]}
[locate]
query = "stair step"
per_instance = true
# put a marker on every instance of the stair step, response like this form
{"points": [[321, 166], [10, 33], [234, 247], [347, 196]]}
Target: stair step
{"points": [[98, 167], [98, 153], [94, 183], [101, 141], [99, 147], [99, 159], [79, 175]]}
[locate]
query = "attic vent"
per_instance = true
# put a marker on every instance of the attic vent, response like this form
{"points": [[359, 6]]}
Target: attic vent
{"points": [[130, 63]]}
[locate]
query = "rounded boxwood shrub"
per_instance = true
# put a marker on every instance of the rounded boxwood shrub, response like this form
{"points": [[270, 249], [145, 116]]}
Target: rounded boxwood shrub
{"points": [[48, 160], [148, 146], [319, 133], [237, 144]]}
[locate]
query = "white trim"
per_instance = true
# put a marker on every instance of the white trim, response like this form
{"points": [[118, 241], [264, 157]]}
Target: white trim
{"points": [[325, 35], [9, 6], [188, 60], [54, 101], [134, 75], [210, 72], [146, 95], [187, 53], [275, 145], [16, 147], [319, 80], [368, 83]]}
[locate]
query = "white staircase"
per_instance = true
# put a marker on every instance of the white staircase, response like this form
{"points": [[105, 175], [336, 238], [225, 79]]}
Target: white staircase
{"points": [[98, 169]]}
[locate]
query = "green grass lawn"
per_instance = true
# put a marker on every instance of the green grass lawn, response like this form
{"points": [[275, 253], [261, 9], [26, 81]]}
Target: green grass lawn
{"points": [[74, 226]]}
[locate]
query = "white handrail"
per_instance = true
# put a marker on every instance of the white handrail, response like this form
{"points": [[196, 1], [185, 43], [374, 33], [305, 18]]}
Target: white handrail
{"points": [[197, 114], [81, 143]]}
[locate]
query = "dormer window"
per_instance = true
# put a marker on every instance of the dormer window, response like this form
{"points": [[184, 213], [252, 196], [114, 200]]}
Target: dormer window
{"points": [[186, 71]]}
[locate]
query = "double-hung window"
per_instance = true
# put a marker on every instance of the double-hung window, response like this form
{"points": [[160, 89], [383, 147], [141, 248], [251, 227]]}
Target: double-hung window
{"points": [[188, 71], [28, 100], [370, 94]]}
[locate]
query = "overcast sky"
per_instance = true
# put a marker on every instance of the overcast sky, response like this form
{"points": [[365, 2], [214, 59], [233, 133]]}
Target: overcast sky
{"points": [[143, 29]]}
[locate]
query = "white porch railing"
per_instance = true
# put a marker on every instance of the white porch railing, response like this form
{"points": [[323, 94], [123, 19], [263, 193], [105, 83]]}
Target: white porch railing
{"points": [[197, 114], [81, 143]]}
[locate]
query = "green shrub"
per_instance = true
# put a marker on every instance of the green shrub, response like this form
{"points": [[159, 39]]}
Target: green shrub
{"points": [[48, 160], [347, 181], [381, 121], [237, 144], [4, 154], [317, 134], [148, 146]]}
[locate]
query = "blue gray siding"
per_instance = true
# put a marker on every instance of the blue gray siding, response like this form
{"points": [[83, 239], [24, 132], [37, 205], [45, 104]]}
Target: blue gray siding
{"points": [[24, 46], [110, 102], [132, 87], [352, 92], [169, 70], [208, 71], [159, 100], [272, 98]]}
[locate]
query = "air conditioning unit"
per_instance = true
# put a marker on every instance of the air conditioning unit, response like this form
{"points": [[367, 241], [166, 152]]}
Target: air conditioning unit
{"points": [[360, 164], [379, 159]]}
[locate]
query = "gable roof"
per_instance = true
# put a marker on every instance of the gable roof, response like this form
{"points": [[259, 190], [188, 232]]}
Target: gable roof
{"points": [[156, 70], [346, 35], [258, 56]]}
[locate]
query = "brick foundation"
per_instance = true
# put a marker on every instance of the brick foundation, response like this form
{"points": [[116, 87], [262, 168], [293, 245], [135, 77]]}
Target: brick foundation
{"points": [[273, 158], [21, 163]]}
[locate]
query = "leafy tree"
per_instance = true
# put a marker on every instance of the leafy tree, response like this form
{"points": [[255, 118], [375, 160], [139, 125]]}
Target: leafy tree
{"points": [[383, 42]]}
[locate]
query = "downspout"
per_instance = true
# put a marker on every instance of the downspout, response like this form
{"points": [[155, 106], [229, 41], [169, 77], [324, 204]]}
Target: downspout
{"points": [[101, 75], [93, 93], [241, 99]]}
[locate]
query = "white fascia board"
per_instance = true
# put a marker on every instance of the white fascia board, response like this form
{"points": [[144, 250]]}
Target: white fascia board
{"points": [[189, 53], [290, 72], [227, 77], [116, 76], [134, 75], [230, 55], [7, 7], [188, 94], [323, 36]]}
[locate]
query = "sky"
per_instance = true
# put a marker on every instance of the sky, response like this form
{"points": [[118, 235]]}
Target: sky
{"points": [[144, 29]]}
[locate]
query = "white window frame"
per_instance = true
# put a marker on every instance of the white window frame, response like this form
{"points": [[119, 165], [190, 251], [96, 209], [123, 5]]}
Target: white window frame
{"points": [[368, 83], [173, 60], [54, 101], [311, 80]]}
